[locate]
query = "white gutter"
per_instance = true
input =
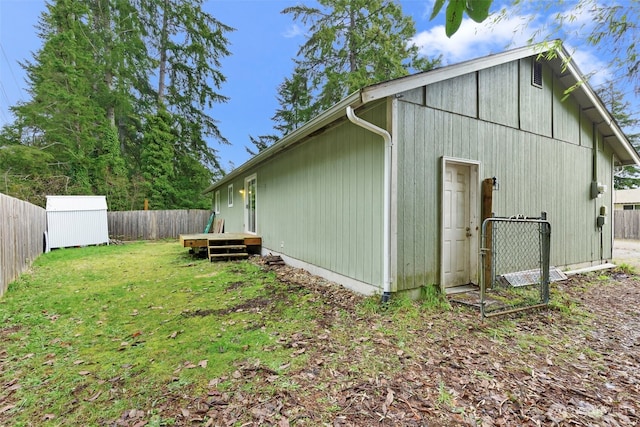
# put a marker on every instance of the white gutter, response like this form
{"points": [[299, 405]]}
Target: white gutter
{"points": [[386, 264]]}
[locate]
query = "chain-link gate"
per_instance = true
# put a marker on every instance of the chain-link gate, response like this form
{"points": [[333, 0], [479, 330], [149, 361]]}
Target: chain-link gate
{"points": [[515, 264]]}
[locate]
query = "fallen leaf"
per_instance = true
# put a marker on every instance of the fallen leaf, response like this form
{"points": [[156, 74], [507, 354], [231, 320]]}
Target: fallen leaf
{"points": [[6, 408], [13, 388], [78, 362], [94, 397], [136, 413], [389, 400], [136, 334], [48, 417], [185, 412], [84, 373], [203, 363]]}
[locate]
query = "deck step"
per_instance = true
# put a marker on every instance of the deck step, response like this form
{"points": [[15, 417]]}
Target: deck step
{"points": [[226, 249], [234, 255], [229, 247]]}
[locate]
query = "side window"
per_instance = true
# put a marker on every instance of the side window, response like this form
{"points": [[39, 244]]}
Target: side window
{"points": [[230, 195], [216, 202]]}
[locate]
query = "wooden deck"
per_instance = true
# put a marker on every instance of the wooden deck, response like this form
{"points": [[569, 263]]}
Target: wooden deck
{"points": [[223, 245], [201, 240]]}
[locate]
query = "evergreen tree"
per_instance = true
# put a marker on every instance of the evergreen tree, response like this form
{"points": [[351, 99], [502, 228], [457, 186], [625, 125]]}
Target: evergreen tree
{"points": [[105, 68], [110, 172], [157, 160], [295, 110], [63, 117], [295, 101], [353, 44], [626, 176], [190, 45], [261, 143]]}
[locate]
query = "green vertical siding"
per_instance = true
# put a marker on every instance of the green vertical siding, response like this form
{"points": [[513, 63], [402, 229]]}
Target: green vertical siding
{"points": [[498, 94], [535, 102], [536, 172], [321, 201], [233, 221], [566, 114], [445, 95], [586, 131]]}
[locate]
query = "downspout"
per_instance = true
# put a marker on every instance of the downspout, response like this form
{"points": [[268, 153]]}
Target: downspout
{"points": [[386, 136]]}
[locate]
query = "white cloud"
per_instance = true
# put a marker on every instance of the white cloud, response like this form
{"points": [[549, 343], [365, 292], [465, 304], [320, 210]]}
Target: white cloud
{"points": [[294, 31], [592, 66], [473, 40], [504, 31]]}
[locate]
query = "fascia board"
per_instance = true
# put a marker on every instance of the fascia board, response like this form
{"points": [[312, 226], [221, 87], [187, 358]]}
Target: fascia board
{"points": [[402, 84], [318, 122], [620, 143]]}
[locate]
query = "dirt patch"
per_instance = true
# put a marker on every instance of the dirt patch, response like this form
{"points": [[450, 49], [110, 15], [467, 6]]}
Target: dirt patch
{"points": [[235, 285], [575, 365], [627, 252], [5, 332], [254, 304]]}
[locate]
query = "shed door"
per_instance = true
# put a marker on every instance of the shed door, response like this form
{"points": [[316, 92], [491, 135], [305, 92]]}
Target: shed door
{"points": [[457, 224]]}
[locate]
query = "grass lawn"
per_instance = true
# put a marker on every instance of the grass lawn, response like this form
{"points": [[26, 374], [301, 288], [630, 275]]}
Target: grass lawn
{"points": [[95, 331], [142, 334]]}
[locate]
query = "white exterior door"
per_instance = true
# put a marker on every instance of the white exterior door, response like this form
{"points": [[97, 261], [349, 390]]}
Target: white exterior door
{"points": [[458, 224], [250, 197]]}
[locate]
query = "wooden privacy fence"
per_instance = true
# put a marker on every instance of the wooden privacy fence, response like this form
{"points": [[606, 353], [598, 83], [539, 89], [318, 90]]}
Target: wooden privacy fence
{"points": [[22, 227], [152, 225], [626, 224]]}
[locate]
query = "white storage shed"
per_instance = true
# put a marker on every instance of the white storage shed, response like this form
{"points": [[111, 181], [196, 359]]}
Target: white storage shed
{"points": [[76, 221]]}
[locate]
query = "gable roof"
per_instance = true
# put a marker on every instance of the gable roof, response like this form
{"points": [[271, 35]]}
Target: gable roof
{"points": [[562, 64]]}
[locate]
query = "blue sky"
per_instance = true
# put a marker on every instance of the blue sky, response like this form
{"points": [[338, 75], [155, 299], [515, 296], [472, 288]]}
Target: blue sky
{"points": [[264, 43]]}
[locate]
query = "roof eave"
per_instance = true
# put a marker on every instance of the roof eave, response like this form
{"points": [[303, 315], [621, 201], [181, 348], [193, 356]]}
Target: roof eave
{"points": [[328, 116], [402, 84], [613, 135]]}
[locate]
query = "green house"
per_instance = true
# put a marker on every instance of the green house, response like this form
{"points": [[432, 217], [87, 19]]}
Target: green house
{"points": [[361, 194]]}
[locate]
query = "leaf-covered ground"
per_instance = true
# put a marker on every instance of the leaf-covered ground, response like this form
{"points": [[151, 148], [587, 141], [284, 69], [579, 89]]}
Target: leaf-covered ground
{"points": [[575, 365], [541, 368], [349, 363]]}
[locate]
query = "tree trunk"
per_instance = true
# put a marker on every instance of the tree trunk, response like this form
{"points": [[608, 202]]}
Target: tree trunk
{"points": [[164, 37]]}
